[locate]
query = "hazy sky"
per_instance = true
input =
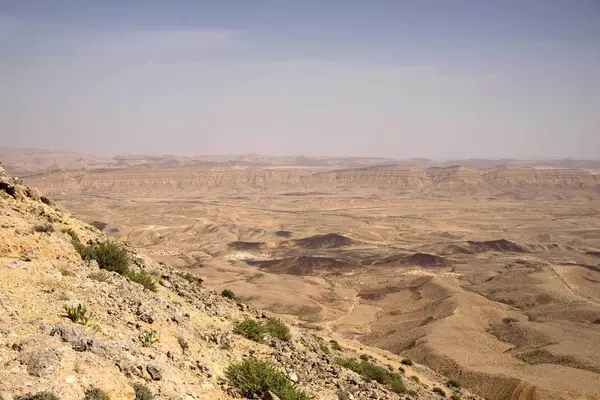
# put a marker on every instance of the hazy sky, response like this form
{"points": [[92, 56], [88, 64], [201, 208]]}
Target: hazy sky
{"points": [[420, 78]]}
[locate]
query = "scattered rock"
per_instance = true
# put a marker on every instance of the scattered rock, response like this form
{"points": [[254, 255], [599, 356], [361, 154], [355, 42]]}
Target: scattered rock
{"points": [[156, 371]]}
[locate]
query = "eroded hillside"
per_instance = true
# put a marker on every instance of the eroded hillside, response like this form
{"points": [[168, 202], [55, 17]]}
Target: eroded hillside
{"points": [[74, 329], [510, 182]]}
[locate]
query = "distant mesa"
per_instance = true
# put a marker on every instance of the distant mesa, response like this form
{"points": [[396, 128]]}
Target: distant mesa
{"points": [[327, 241], [285, 234], [427, 260], [240, 245], [304, 265], [499, 245]]}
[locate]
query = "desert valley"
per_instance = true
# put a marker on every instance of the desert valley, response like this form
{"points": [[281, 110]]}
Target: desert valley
{"points": [[488, 274]]}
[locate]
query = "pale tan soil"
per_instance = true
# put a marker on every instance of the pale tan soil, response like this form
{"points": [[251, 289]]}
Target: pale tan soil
{"points": [[511, 319]]}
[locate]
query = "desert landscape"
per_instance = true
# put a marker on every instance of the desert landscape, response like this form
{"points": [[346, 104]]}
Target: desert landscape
{"points": [[489, 276]]}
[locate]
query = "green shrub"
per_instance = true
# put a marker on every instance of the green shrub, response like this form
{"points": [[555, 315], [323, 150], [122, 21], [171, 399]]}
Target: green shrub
{"points": [[335, 345], [407, 361], [401, 369], [228, 294], [80, 315], [72, 233], [415, 378], [254, 379], [250, 329], [38, 396], [110, 256], [142, 278], [148, 338], [365, 357], [142, 392], [439, 391], [95, 394], [455, 396], [277, 329], [453, 383], [373, 372]]}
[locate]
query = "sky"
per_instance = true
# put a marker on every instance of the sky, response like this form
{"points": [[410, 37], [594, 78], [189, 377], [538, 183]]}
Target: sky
{"points": [[404, 79]]}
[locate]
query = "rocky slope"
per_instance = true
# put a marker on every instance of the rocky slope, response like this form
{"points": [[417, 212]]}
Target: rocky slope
{"points": [[41, 350], [448, 181]]}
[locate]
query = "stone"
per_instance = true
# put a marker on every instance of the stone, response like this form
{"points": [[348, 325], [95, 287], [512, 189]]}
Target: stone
{"points": [[41, 362], [166, 283], [156, 371], [94, 264], [292, 376]]}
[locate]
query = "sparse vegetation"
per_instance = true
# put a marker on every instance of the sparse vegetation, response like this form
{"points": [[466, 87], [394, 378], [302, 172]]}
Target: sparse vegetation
{"points": [[111, 256], [370, 371], [455, 396], [335, 345], [439, 391], [277, 329], [365, 357], [148, 338], [250, 329], [44, 228], [256, 330], [142, 392], [255, 378], [415, 378], [95, 394], [228, 294], [453, 383], [38, 396], [143, 279], [80, 315], [407, 361], [401, 369]]}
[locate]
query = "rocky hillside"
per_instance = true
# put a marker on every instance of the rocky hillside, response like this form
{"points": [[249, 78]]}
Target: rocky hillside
{"points": [[83, 318], [436, 181]]}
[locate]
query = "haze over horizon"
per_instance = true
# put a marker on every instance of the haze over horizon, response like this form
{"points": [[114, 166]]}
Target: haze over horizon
{"points": [[399, 79]]}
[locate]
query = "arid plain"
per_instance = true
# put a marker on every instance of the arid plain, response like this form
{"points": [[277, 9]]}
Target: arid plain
{"points": [[489, 276]]}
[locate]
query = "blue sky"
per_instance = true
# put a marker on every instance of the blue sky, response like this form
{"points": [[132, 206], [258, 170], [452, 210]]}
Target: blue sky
{"points": [[438, 79]]}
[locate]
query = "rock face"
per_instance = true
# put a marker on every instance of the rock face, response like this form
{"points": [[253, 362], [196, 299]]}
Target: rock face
{"points": [[176, 342]]}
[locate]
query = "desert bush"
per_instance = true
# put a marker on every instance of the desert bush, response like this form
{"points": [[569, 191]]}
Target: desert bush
{"points": [[142, 392], [365, 357], [74, 236], [250, 329], [455, 396], [401, 369], [255, 378], [143, 279], [228, 294], [278, 329], [372, 372], [95, 394], [453, 383], [110, 256], [80, 315], [438, 391], [407, 361], [415, 378], [44, 228], [38, 396], [335, 345]]}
